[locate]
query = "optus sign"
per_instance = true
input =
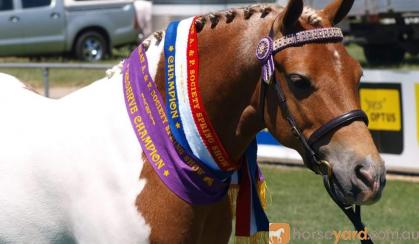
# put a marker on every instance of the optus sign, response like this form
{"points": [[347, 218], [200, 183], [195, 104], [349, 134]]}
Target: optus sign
{"points": [[383, 105]]}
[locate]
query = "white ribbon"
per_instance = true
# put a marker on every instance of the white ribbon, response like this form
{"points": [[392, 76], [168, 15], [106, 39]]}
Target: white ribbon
{"points": [[191, 131]]}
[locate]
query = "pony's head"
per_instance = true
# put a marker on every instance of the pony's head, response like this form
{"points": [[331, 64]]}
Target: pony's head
{"points": [[320, 81]]}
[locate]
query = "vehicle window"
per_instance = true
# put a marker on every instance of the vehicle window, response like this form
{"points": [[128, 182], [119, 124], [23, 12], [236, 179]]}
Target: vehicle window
{"points": [[6, 5], [35, 3]]}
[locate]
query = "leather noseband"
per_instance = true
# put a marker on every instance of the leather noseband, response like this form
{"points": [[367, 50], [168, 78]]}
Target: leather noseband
{"points": [[337, 122]]}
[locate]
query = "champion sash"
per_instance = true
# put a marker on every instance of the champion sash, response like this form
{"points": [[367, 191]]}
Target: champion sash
{"points": [[172, 104], [181, 172], [201, 119], [192, 174], [190, 129]]}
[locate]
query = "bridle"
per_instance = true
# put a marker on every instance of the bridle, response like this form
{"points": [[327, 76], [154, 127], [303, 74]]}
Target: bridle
{"points": [[265, 51]]}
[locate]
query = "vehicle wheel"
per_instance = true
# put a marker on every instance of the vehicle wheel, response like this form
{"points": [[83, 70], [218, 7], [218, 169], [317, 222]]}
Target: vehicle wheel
{"points": [[384, 54], [91, 46]]}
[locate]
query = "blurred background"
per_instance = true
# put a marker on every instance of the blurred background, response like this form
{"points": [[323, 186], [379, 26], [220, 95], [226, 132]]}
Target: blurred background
{"points": [[379, 33], [58, 46]]}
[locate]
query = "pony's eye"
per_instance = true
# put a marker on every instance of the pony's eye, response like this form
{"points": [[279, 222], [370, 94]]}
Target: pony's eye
{"points": [[300, 81]]}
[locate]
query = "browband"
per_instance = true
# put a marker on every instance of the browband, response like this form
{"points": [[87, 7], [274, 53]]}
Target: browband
{"points": [[307, 36], [267, 47]]}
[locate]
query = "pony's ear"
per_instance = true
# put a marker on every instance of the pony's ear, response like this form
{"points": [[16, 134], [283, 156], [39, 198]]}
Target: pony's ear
{"points": [[338, 10], [291, 14]]}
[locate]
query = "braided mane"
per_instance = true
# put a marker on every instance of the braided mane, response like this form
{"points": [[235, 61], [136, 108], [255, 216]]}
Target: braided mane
{"points": [[309, 15], [230, 14]]}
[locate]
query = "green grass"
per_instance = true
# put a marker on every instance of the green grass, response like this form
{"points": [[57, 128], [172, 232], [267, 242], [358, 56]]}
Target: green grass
{"points": [[299, 198]]}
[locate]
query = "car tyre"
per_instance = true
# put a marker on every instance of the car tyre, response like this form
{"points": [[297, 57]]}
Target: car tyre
{"points": [[91, 46]]}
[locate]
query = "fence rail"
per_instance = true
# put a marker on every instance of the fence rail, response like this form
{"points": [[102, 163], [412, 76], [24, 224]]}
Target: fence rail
{"points": [[45, 67]]}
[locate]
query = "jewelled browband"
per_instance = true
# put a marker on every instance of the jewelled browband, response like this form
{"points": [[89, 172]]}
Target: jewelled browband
{"points": [[267, 47], [302, 37]]}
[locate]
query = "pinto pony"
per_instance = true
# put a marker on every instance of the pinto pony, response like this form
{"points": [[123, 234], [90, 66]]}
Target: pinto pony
{"points": [[72, 170]]}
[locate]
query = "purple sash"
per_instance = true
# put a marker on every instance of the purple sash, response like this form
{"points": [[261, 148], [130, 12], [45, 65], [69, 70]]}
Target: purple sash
{"points": [[175, 167]]}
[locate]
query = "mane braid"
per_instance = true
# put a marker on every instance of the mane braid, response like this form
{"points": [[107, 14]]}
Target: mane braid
{"points": [[158, 36], [248, 12], [312, 16], [214, 18], [230, 15], [200, 23], [265, 9], [146, 43]]}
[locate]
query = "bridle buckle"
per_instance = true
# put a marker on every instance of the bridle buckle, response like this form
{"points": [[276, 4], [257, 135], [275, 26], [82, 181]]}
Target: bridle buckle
{"points": [[325, 168]]}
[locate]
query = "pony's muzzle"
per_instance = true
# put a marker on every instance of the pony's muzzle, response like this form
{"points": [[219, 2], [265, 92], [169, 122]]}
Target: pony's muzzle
{"points": [[367, 183]]}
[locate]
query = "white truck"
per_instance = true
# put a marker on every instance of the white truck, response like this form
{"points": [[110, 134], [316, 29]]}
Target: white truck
{"points": [[86, 29], [386, 29]]}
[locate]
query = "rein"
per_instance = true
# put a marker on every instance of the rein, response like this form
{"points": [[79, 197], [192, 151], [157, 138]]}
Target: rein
{"points": [[265, 52]]}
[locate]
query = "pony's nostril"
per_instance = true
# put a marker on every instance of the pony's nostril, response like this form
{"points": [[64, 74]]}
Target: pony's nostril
{"points": [[365, 175]]}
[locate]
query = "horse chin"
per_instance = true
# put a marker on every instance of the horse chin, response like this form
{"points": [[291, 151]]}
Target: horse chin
{"points": [[350, 195], [342, 196], [367, 197]]}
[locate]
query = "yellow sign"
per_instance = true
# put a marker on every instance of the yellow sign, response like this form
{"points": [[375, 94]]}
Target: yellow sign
{"points": [[382, 107], [417, 108], [279, 233]]}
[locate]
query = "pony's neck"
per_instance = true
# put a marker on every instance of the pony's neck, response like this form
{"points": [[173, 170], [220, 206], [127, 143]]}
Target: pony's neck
{"points": [[230, 79]]}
